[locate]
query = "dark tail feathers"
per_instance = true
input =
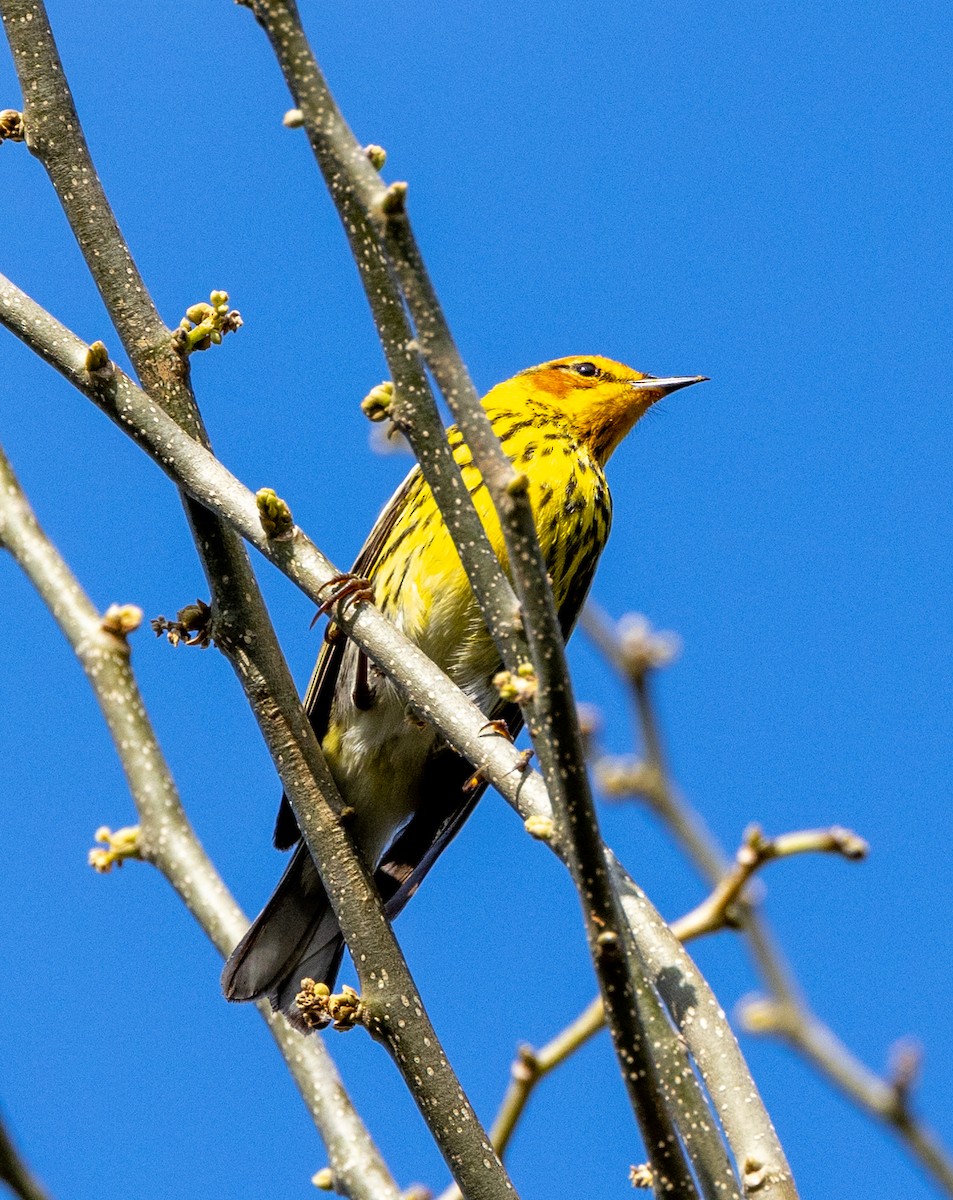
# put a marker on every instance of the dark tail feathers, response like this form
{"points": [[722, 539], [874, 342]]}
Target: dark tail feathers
{"points": [[295, 936]]}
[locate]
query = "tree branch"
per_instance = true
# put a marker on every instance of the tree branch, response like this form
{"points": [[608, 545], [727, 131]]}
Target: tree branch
{"points": [[361, 197], [166, 837], [364, 203], [785, 1011], [193, 468], [427, 689], [531, 1066], [755, 852], [887, 1100], [15, 1173], [54, 134]]}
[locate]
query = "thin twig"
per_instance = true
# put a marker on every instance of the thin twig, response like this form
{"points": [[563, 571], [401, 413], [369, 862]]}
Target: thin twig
{"points": [[785, 1011], [528, 1068], [166, 837], [426, 687], [360, 197], [756, 851], [886, 1099], [15, 1173], [54, 134]]}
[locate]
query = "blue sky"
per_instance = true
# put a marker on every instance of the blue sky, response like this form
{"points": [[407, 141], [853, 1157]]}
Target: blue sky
{"points": [[760, 195]]}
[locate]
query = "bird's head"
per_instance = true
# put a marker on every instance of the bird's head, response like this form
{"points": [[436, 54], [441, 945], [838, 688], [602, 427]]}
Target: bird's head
{"points": [[600, 398]]}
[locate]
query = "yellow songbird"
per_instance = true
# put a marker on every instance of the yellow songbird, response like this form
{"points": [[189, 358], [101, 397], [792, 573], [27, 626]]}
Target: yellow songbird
{"points": [[558, 423]]}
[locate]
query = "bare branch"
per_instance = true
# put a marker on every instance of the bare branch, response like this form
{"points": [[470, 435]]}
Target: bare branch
{"points": [[54, 134], [785, 1011], [13, 1170], [426, 687], [755, 852], [553, 724], [362, 199], [166, 837], [364, 202], [530, 1066], [196, 470], [886, 1099]]}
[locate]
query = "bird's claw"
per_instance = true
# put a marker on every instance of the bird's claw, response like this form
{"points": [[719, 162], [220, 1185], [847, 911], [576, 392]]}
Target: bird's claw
{"points": [[344, 587]]}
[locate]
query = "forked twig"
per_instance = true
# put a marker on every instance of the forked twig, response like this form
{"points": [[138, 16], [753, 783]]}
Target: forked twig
{"points": [[635, 652], [530, 1065]]}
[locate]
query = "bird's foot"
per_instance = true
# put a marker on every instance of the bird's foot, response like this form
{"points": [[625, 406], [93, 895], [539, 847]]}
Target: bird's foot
{"points": [[344, 587]]}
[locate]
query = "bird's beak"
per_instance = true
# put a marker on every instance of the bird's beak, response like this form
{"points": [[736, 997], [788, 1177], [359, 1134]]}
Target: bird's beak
{"points": [[664, 386]]}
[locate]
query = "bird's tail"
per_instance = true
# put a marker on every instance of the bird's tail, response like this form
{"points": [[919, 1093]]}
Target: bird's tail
{"points": [[295, 936]]}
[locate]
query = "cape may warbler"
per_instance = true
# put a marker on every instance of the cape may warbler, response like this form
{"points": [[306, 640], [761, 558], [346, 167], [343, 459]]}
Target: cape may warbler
{"points": [[558, 423]]}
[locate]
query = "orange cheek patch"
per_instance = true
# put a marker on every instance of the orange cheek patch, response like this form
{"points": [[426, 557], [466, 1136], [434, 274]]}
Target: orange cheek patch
{"points": [[555, 383]]}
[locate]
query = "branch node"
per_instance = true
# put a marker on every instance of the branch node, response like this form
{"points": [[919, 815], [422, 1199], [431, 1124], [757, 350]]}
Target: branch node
{"points": [[754, 1174], [206, 323], [541, 828], [761, 1014], [625, 778], [124, 843], [11, 126], [641, 1176], [97, 359], [608, 942], [906, 1060], [294, 119], [590, 722], [518, 485], [394, 200], [274, 514], [848, 844], [520, 685], [192, 626], [526, 1067], [121, 620], [376, 155], [319, 1006], [323, 1179], [641, 650], [376, 405]]}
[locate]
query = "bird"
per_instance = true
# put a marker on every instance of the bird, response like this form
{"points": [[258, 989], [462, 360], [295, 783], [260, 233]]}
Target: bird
{"points": [[408, 792]]}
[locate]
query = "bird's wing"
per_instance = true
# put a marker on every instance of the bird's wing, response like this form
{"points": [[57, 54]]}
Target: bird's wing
{"points": [[446, 801], [320, 694]]}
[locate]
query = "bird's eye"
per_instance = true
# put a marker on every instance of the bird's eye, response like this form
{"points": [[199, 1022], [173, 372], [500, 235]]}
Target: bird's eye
{"points": [[586, 368]]}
